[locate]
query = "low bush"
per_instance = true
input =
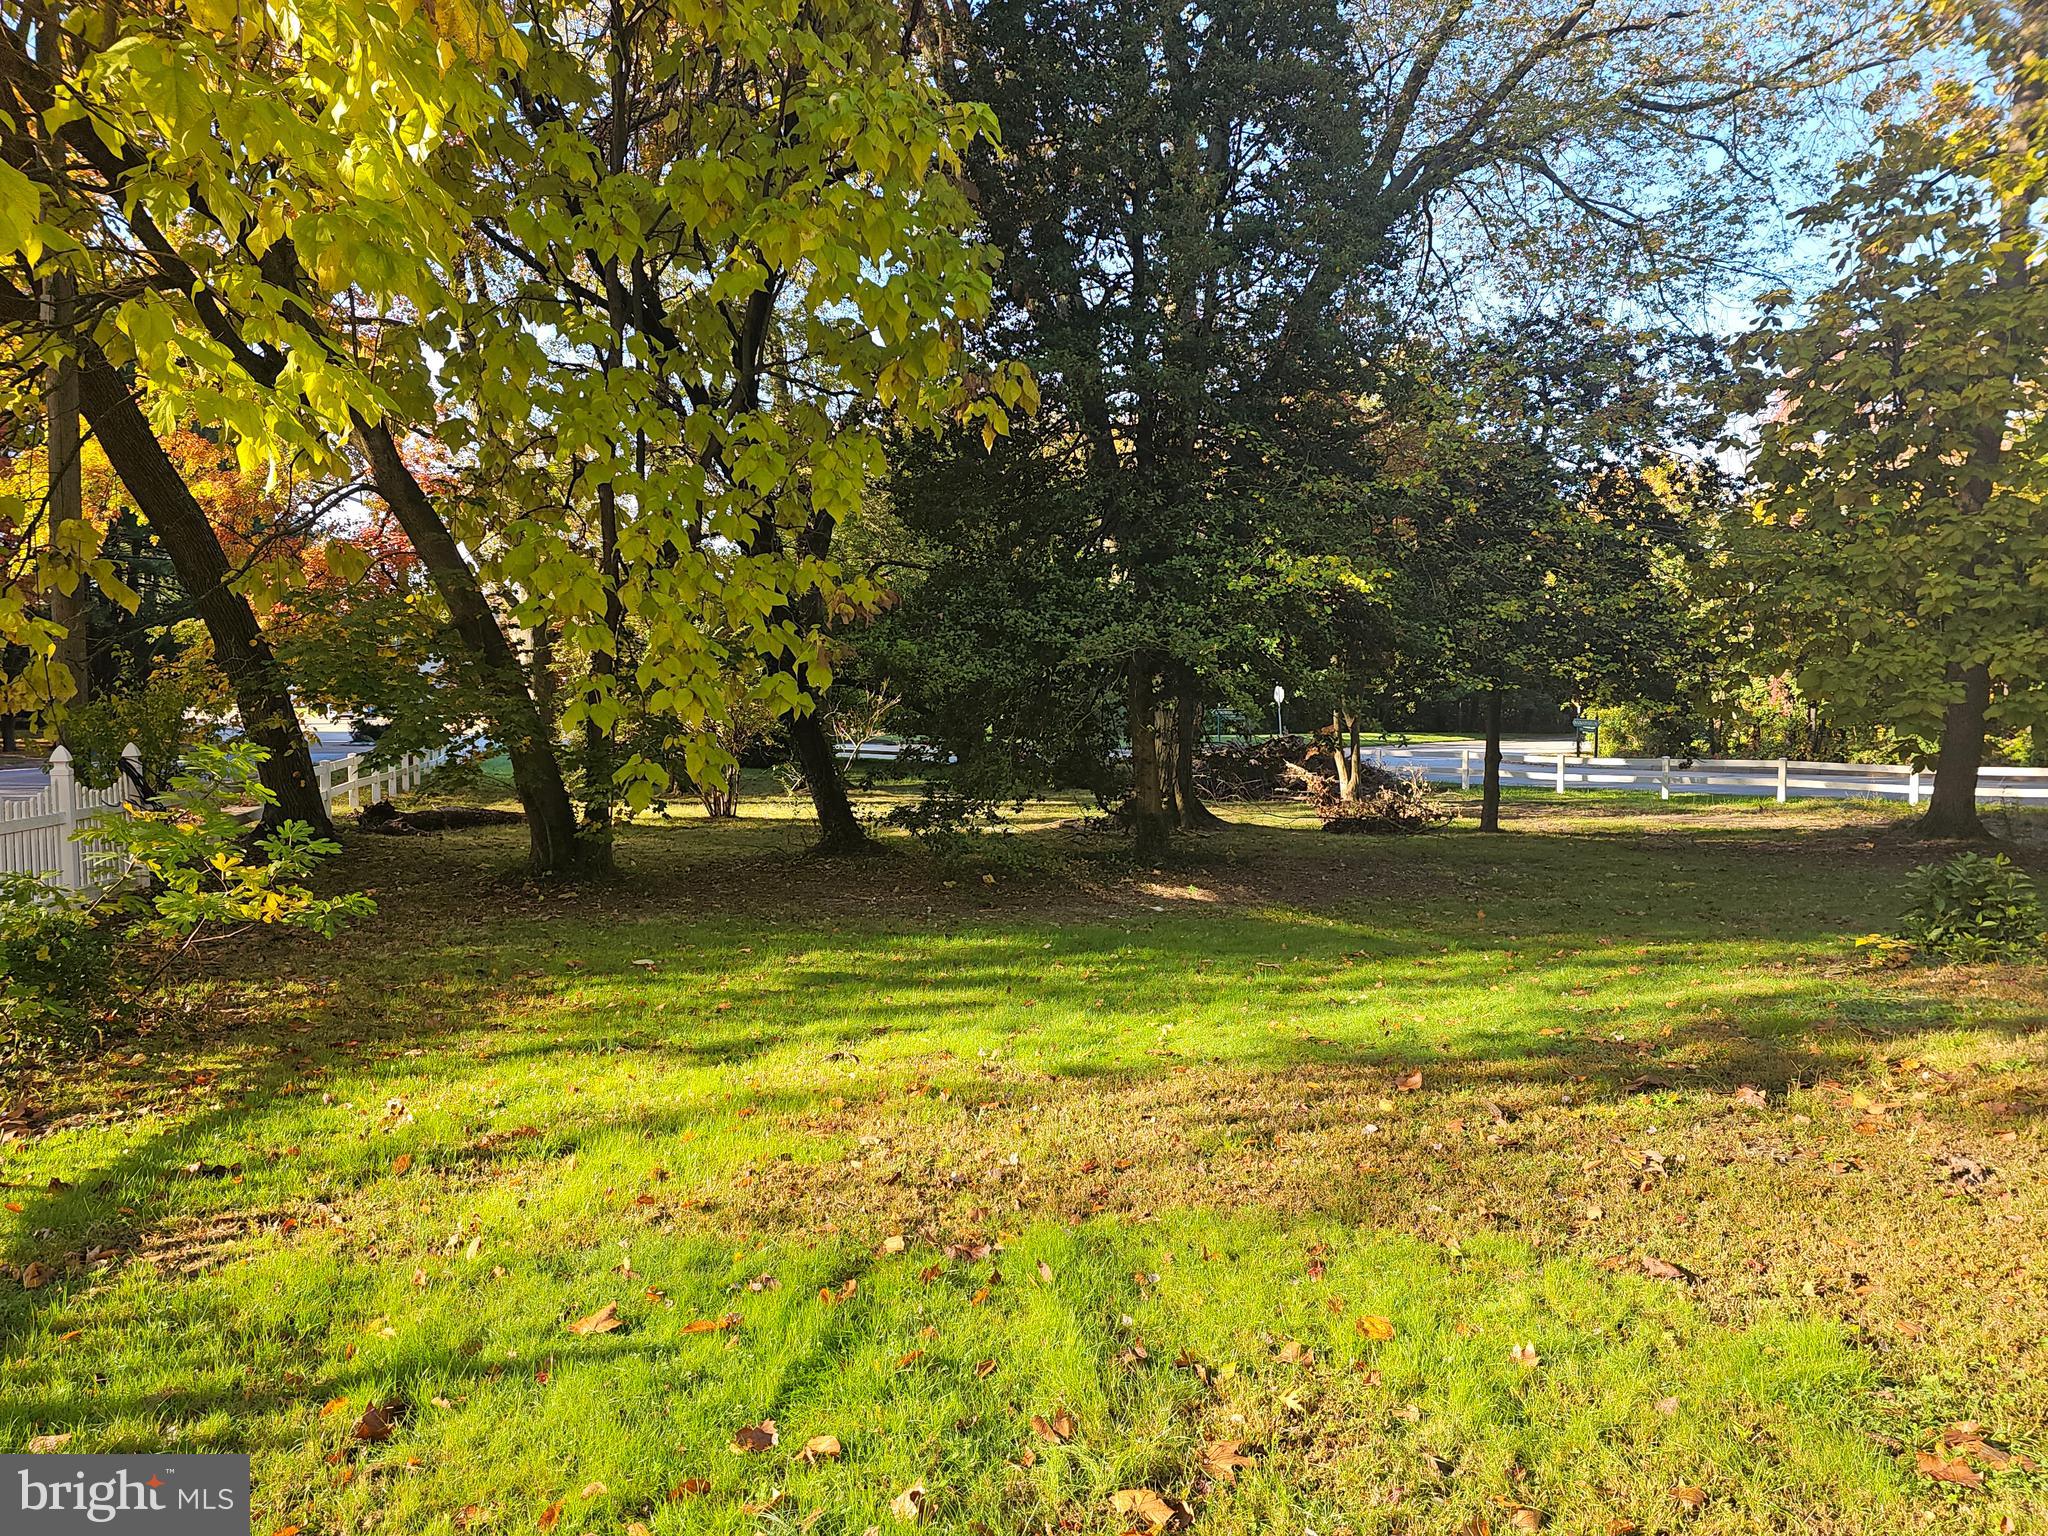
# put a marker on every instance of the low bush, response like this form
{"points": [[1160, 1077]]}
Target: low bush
{"points": [[56, 967], [1973, 908]]}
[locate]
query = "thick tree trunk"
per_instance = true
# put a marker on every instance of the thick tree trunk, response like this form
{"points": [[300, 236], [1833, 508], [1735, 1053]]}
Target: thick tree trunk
{"points": [[262, 697], [1346, 765], [1489, 795], [1187, 736], [1151, 821], [1952, 808], [553, 846], [839, 830]]}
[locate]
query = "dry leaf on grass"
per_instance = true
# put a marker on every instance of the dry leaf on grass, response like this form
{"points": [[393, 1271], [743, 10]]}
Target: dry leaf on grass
{"points": [[550, 1515], [1751, 1097], [1409, 1082], [1059, 1428], [756, 1437], [1526, 1519], [713, 1324], [1379, 1328], [604, 1320], [820, 1447], [1525, 1356], [1959, 1472], [909, 1505], [1145, 1505], [40, 1445], [400, 1163], [1222, 1458], [1664, 1269], [375, 1424]]}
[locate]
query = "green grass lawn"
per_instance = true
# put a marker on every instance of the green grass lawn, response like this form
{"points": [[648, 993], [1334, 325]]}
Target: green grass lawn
{"points": [[1583, 1179]]}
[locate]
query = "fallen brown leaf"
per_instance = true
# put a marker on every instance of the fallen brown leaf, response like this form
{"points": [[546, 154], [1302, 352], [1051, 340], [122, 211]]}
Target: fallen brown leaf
{"points": [[1222, 1458], [1408, 1082], [1059, 1428], [1379, 1328], [1143, 1504], [909, 1505], [820, 1448], [756, 1437], [40, 1445], [375, 1424], [1959, 1472], [604, 1320]]}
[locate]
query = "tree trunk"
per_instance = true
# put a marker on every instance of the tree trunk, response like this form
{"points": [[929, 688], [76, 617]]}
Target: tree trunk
{"points": [[839, 830], [64, 506], [1351, 722], [599, 756], [1952, 808], [553, 847], [1489, 796], [262, 696], [1151, 822], [1347, 767], [1187, 735]]}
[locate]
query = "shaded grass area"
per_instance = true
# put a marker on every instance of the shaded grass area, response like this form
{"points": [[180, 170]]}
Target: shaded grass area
{"points": [[1690, 1221]]}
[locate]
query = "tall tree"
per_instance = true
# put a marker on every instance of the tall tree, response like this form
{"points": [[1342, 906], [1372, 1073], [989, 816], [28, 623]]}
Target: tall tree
{"points": [[1211, 215], [1902, 459]]}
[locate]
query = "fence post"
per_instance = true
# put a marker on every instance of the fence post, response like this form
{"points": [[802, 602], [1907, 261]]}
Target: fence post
{"points": [[1464, 767], [64, 800], [1782, 766], [354, 764], [1560, 773], [1664, 780], [131, 774], [1913, 786]]}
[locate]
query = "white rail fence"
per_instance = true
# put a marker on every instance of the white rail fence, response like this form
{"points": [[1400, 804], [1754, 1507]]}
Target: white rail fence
{"points": [[352, 779], [49, 833], [1779, 779]]}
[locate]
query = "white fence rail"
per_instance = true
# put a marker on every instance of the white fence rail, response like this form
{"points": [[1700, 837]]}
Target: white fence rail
{"points": [[352, 779], [40, 833], [1779, 779]]}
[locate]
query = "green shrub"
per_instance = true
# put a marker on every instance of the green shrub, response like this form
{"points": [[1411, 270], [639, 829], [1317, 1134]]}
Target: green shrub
{"points": [[201, 870], [56, 966], [1973, 908]]}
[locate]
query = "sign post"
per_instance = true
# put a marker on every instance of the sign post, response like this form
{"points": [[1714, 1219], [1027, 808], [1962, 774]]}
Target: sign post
{"points": [[1279, 716]]}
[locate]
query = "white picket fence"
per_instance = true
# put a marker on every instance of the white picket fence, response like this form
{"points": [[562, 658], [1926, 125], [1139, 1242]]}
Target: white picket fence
{"points": [[39, 833], [1779, 779], [49, 833]]}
